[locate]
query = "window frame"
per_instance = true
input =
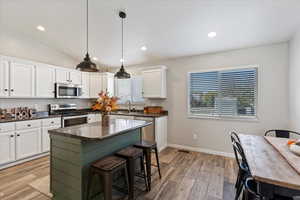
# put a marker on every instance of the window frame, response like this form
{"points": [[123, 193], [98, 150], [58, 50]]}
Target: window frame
{"points": [[254, 118]]}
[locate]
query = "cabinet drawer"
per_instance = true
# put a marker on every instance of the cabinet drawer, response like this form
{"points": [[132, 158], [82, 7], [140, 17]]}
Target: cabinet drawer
{"points": [[28, 124], [51, 122], [5, 127]]}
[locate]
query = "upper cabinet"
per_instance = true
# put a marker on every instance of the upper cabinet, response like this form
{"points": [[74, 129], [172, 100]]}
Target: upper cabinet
{"points": [[95, 84], [45, 79], [85, 85], [4, 78], [68, 76], [108, 80], [21, 80], [155, 82]]}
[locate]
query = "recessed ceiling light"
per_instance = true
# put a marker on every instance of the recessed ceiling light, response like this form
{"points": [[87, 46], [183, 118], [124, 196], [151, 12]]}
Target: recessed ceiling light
{"points": [[212, 34], [40, 28], [95, 58], [122, 60], [144, 48]]}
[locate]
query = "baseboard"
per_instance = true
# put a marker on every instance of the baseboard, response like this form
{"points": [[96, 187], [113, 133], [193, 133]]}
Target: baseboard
{"points": [[7, 165], [202, 150]]}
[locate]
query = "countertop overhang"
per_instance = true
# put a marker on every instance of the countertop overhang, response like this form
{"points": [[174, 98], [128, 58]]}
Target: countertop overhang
{"points": [[96, 131]]}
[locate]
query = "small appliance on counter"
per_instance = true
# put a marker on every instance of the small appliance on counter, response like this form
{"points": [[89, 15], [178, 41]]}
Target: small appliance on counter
{"points": [[70, 115]]}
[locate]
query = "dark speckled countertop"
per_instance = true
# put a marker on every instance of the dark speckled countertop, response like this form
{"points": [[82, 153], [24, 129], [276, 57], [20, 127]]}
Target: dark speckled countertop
{"points": [[96, 131], [137, 113]]}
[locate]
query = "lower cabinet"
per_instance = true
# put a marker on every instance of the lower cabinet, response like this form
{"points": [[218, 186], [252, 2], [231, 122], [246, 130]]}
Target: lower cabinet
{"points": [[28, 143], [46, 138], [7, 147], [161, 132]]}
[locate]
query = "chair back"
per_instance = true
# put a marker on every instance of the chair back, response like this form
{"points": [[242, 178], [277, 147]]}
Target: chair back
{"points": [[251, 190], [281, 133], [234, 137], [240, 157]]}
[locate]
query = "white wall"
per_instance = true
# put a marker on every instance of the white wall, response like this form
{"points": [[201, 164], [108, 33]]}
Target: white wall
{"points": [[213, 134], [21, 46], [294, 82]]}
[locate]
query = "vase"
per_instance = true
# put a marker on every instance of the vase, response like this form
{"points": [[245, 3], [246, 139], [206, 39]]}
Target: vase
{"points": [[105, 119]]}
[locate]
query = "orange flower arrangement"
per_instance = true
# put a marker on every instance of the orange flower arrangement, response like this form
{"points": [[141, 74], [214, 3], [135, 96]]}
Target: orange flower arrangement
{"points": [[105, 103]]}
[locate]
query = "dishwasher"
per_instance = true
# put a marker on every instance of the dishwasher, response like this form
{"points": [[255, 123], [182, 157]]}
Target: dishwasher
{"points": [[148, 132]]}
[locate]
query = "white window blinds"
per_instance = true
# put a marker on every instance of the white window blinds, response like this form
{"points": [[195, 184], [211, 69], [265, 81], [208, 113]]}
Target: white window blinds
{"points": [[224, 93]]}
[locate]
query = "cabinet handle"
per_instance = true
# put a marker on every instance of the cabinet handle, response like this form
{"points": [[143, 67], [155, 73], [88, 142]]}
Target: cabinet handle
{"points": [[11, 90], [52, 122], [28, 125], [11, 136], [5, 90], [18, 135]]}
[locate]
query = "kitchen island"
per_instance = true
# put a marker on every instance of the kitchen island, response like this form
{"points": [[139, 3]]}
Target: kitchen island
{"points": [[73, 149]]}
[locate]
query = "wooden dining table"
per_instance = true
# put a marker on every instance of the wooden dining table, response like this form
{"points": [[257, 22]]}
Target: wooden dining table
{"points": [[274, 175]]}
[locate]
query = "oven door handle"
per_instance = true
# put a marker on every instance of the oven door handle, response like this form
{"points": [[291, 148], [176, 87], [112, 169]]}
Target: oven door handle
{"points": [[75, 117]]}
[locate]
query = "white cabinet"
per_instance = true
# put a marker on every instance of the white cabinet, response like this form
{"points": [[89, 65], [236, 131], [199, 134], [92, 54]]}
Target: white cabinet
{"points": [[4, 78], [95, 84], [7, 147], [62, 75], [75, 77], [108, 80], [45, 79], [21, 80], [154, 82], [46, 137], [28, 143], [48, 124], [85, 85], [161, 132], [68, 76]]}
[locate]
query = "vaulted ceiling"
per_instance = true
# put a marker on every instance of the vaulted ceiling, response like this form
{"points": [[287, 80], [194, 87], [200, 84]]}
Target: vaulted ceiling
{"points": [[169, 28]]}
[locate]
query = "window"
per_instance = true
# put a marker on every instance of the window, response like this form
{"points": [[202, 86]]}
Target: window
{"points": [[223, 93], [130, 90]]}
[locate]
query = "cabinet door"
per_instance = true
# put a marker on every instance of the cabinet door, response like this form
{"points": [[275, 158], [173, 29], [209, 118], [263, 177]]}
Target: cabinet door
{"points": [[46, 138], [45, 79], [161, 132], [28, 143], [95, 85], [152, 83], [85, 85], [21, 80], [7, 147], [62, 75], [75, 77], [108, 81], [4, 78]]}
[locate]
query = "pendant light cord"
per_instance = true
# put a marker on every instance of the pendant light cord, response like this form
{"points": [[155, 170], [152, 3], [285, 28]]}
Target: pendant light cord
{"points": [[87, 26], [122, 42]]}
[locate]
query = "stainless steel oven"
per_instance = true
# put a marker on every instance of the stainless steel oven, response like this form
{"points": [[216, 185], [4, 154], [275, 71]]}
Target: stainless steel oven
{"points": [[74, 120], [67, 91]]}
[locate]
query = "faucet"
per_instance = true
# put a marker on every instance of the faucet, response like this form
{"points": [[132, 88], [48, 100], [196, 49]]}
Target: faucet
{"points": [[129, 105]]}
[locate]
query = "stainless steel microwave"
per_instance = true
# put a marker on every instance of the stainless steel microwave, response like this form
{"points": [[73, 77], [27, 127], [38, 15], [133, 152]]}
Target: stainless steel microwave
{"points": [[67, 91]]}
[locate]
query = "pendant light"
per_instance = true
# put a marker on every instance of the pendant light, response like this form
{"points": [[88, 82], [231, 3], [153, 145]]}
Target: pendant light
{"points": [[87, 65], [122, 74]]}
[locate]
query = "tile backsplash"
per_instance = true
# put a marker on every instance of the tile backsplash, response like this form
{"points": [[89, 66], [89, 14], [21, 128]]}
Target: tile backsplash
{"points": [[41, 104]]}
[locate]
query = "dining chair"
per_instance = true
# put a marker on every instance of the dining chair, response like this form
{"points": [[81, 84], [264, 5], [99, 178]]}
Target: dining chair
{"points": [[250, 190], [281, 133], [243, 166]]}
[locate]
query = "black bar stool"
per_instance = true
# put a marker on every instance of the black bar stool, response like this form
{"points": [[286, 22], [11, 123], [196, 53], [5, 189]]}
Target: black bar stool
{"points": [[105, 168], [132, 154], [149, 147]]}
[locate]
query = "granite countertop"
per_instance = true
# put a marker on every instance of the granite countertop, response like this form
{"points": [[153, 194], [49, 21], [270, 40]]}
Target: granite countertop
{"points": [[137, 113], [96, 131], [32, 118]]}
